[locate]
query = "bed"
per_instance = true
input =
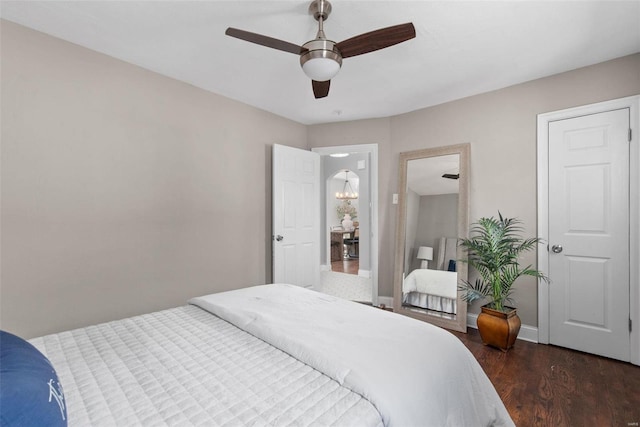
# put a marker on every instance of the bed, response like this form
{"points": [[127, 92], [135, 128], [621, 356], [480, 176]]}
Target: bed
{"points": [[431, 289], [270, 355]]}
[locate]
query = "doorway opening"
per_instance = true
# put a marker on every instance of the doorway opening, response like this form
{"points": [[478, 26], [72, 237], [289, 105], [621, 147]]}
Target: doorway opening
{"points": [[342, 219], [349, 251]]}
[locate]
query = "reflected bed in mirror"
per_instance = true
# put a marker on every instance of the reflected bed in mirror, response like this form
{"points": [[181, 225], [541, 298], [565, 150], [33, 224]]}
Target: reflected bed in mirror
{"points": [[433, 214]]}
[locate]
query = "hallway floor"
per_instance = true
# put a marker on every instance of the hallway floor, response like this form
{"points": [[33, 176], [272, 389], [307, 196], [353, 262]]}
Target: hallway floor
{"points": [[349, 266], [347, 286]]}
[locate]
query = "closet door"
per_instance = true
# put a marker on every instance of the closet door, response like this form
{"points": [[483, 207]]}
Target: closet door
{"points": [[589, 233]]}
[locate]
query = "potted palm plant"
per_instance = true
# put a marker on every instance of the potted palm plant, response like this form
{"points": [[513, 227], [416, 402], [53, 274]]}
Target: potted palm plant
{"points": [[493, 251]]}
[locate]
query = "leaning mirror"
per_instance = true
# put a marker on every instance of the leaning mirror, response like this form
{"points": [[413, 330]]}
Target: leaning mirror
{"points": [[433, 209]]}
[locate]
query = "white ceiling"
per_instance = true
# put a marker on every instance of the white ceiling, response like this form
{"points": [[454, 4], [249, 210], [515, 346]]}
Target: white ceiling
{"points": [[462, 48], [424, 176]]}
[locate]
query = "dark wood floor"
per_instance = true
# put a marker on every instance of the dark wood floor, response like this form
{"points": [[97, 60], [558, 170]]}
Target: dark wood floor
{"points": [[544, 385], [349, 266]]}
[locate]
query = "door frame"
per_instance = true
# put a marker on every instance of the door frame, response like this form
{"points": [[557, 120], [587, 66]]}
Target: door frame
{"points": [[372, 149], [633, 103]]}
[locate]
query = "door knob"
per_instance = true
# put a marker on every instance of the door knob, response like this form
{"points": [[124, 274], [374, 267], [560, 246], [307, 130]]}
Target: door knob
{"points": [[279, 238], [556, 249]]}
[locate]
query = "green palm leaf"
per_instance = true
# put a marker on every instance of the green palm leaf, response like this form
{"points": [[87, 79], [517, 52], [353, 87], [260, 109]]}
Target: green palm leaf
{"points": [[494, 251]]}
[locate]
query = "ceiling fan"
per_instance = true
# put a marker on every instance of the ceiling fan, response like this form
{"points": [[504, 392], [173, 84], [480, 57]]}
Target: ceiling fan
{"points": [[320, 58]]}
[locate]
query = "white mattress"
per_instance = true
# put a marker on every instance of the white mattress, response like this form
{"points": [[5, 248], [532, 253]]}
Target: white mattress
{"points": [[185, 366], [431, 289], [432, 282]]}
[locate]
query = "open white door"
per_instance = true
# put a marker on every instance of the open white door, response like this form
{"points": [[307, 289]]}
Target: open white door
{"points": [[296, 216]]}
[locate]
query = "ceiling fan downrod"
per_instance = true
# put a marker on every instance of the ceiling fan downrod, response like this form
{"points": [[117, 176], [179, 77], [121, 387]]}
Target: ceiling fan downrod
{"points": [[322, 60]]}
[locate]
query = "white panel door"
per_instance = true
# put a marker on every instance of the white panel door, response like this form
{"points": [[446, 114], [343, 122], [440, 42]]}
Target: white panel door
{"points": [[589, 233], [296, 216]]}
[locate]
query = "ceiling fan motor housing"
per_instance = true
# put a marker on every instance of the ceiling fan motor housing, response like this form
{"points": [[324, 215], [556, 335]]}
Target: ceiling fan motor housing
{"points": [[322, 59], [320, 8]]}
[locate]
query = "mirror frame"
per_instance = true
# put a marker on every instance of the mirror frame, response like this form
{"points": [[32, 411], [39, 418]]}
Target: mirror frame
{"points": [[460, 322]]}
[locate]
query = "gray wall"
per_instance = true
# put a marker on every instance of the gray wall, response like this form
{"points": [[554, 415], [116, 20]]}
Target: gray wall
{"points": [[501, 128], [437, 217], [123, 191], [411, 231]]}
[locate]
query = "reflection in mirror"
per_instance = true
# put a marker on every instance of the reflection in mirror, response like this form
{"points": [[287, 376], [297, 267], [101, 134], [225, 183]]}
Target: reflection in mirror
{"points": [[433, 209], [430, 235]]}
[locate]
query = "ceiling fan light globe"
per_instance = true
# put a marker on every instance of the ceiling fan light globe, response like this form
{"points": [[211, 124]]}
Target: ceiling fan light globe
{"points": [[320, 62], [321, 69]]}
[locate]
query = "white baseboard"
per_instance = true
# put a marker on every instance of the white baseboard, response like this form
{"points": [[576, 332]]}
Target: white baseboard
{"points": [[388, 301], [527, 333], [325, 267], [364, 273]]}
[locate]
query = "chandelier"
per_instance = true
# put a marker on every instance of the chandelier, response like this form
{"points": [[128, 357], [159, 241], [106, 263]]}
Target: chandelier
{"points": [[347, 192]]}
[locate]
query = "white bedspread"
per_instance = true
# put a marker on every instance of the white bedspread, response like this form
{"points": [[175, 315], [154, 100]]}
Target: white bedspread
{"points": [[186, 367], [416, 374], [432, 282]]}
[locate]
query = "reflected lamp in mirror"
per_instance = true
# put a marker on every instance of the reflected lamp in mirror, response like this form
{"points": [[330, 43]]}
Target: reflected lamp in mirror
{"points": [[425, 253]]}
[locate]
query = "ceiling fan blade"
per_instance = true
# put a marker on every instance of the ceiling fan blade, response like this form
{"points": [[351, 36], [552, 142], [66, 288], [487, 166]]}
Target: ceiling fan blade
{"points": [[375, 40], [264, 40], [320, 89]]}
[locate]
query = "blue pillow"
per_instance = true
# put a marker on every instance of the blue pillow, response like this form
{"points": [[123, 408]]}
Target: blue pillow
{"points": [[30, 393]]}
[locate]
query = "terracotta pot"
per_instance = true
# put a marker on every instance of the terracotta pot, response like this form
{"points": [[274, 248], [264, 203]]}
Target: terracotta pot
{"points": [[497, 328]]}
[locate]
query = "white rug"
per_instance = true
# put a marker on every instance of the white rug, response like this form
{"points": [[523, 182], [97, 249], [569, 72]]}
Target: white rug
{"points": [[347, 286]]}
